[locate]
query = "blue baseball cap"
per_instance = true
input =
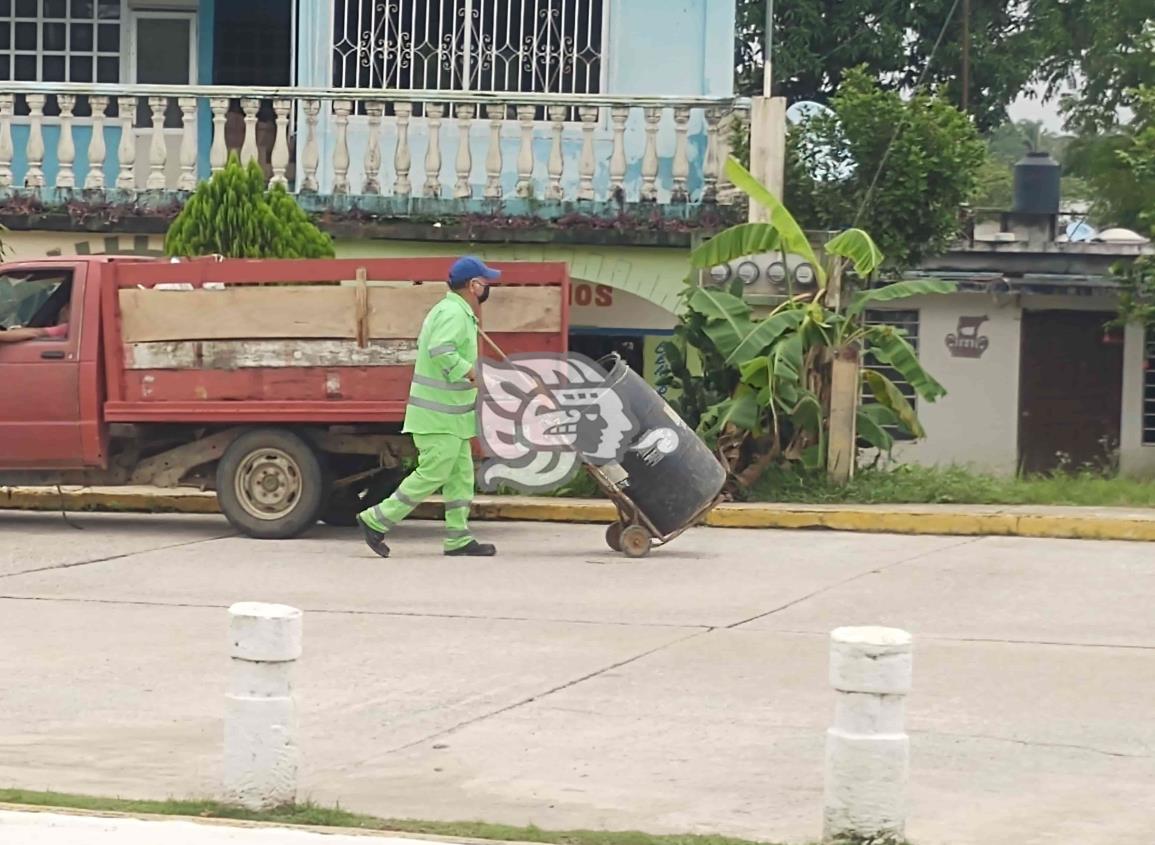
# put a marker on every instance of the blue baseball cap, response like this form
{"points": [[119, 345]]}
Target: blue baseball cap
{"points": [[467, 268]]}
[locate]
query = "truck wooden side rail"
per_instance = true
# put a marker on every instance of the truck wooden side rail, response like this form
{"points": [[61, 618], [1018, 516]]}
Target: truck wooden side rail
{"points": [[279, 384]]}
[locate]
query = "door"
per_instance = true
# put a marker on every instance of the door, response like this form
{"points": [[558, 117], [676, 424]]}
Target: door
{"points": [[1070, 391], [162, 51], [39, 379]]}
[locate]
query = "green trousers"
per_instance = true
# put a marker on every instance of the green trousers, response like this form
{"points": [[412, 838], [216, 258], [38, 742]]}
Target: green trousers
{"points": [[444, 462]]}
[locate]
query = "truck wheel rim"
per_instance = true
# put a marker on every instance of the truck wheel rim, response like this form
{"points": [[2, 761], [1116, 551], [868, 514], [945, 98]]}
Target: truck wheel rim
{"points": [[268, 484]]}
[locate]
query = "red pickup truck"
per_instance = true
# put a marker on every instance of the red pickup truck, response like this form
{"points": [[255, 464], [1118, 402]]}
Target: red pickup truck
{"points": [[281, 385]]}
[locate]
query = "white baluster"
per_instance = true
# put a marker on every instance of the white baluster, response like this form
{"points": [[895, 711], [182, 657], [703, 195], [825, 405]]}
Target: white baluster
{"points": [[97, 151], [463, 189], [342, 109], [7, 107], [557, 116], [710, 165], [618, 115], [65, 146], [280, 155], [493, 162], [219, 151], [525, 115], [681, 166], [158, 149], [34, 177], [650, 158], [402, 157], [126, 151], [726, 128], [372, 184], [589, 116], [433, 114], [188, 144], [311, 156], [249, 149]]}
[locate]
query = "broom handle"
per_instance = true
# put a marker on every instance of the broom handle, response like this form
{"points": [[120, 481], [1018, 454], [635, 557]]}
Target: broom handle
{"points": [[489, 340]]}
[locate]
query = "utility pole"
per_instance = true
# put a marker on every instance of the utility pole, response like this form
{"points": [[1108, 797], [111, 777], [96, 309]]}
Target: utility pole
{"points": [[966, 56], [768, 52]]}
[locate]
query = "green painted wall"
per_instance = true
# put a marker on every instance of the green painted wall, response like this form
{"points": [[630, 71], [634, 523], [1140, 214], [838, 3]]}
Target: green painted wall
{"points": [[652, 273]]}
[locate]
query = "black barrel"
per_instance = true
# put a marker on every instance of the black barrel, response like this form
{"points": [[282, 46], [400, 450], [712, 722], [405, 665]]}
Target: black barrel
{"points": [[672, 474], [1037, 181]]}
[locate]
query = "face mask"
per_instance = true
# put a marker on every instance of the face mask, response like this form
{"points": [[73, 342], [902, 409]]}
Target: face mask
{"points": [[484, 295]]}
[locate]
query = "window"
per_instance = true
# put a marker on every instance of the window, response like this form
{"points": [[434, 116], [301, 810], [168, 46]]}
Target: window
{"points": [[59, 41], [907, 322], [252, 44], [1149, 392], [34, 299], [538, 46]]}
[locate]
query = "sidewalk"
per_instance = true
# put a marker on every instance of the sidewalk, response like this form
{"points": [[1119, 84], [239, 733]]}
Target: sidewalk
{"points": [[52, 828], [947, 520]]}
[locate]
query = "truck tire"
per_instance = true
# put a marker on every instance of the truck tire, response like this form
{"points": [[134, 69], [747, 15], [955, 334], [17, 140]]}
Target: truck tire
{"points": [[344, 504], [271, 484]]}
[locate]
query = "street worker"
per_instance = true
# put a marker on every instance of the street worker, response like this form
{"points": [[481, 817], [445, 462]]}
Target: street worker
{"points": [[441, 416]]}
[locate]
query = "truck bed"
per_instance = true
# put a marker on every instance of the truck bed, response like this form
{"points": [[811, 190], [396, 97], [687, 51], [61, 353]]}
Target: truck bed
{"points": [[329, 341]]}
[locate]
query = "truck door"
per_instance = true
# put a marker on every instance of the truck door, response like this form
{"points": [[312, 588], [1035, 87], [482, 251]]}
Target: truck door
{"points": [[40, 378]]}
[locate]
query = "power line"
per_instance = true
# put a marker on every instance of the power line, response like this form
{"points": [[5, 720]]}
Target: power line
{"points": [[899, 125]]}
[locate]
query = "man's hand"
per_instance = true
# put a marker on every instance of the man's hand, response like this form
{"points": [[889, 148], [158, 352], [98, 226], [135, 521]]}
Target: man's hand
{"points": [[470, 377]]}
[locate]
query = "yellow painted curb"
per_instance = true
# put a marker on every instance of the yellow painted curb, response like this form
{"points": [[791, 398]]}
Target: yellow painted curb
{"points": [[1077, 524]]}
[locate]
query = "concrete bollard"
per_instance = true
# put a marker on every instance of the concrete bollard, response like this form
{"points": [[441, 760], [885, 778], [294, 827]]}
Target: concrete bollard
{"points": [[261, 758], [867, 749]]}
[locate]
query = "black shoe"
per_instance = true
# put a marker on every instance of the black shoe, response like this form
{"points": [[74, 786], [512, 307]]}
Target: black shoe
{"points": [[474, 549], [374, 539]]}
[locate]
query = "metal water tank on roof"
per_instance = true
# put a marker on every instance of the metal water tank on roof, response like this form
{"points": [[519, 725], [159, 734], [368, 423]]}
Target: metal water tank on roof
{"points": [[1037, 179]]}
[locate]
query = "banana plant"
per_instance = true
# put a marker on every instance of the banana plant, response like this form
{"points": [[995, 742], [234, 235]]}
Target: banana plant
{"points": [[763, 393]]}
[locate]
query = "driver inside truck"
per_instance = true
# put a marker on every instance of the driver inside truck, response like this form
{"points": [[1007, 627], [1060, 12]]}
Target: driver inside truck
{"points": [[42, 325]]}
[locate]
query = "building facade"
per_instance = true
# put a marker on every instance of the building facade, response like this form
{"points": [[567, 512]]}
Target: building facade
{"points": [[583, 129]]}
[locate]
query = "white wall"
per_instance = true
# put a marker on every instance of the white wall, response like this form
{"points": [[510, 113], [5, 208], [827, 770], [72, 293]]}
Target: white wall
{"points": [[1134, 458], [976, 423]]}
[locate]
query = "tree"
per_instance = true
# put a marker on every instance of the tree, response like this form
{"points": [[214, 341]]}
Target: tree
{"points": [[900, 168], [1006, 145], [233, 214], [1108, 46], [766, 387], [816, 42], [1119, 166]]}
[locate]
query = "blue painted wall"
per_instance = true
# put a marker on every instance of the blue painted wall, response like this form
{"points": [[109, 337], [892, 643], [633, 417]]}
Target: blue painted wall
{"points": [[654, 47]]}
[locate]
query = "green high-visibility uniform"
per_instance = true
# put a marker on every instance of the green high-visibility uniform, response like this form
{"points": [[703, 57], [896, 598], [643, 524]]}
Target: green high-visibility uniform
{"points": [[441, 417]]}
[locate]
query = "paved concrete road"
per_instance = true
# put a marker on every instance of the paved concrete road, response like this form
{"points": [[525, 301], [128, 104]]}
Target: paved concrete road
{"points": [[564, 686]]}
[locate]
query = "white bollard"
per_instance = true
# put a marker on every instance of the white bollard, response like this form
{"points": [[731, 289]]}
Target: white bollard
{"points": [[867, 749], [260, 760]]}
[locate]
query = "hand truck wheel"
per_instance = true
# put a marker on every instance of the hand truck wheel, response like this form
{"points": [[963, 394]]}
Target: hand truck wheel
{"points": [[614, 536], [636, 541]]}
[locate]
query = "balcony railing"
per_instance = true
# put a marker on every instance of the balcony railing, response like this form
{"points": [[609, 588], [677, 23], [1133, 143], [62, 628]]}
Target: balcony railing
{"points": [[353, 144]]}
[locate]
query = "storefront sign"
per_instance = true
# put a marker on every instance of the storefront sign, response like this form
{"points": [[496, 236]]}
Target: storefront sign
{"points": [[604, 307], [967, 342]]}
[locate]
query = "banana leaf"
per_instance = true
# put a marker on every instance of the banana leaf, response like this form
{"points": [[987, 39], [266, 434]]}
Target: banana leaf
{"points": [[859, 248], [793, 239], [871, 431], [736, 242], [899, 290], [887, 394], [889, 347]]}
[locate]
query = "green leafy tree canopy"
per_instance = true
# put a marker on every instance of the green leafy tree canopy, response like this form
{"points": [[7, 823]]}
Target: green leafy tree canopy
{"points": [[817, 42], [899, 168], [235, 215]]}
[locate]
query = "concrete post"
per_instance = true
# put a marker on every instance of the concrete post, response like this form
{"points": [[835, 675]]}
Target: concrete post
{"points": [[767, 149], [260, 759], [867, 750]]}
